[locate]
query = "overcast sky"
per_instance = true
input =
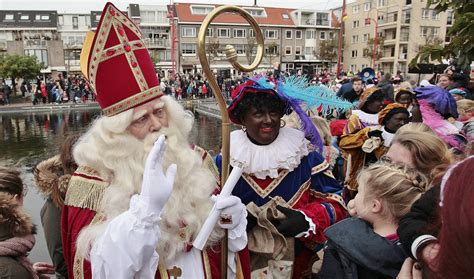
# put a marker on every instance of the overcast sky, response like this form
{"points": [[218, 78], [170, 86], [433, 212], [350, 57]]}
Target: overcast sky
{"points": [[85, 6]]}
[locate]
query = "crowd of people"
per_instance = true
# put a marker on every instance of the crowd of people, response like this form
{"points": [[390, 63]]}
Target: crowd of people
{"points": [[378, 180]]}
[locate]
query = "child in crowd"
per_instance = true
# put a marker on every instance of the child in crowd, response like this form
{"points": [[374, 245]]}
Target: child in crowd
{"points": [[367, 245]]}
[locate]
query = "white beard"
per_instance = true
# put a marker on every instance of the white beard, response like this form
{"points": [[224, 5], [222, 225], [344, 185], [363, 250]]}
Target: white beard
{"points": [[122, 164]]}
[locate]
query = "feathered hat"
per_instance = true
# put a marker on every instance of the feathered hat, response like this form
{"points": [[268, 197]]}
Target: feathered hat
{"points": [[117, 64], [296, 92]]}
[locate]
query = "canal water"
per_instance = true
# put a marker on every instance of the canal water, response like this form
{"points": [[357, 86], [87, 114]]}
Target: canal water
{"points": [[28, 138]]}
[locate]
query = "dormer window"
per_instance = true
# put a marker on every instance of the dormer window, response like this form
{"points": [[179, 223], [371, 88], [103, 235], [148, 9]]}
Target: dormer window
{"points": [[201, 10], [256, 12]]}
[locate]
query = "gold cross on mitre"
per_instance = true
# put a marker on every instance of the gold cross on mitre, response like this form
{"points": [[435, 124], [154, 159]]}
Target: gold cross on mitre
{"points": [[175, 272]]}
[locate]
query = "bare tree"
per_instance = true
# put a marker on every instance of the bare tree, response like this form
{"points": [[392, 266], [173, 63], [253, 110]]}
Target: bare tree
{"points": [[369, 50], [212, 49], [272, 52]]}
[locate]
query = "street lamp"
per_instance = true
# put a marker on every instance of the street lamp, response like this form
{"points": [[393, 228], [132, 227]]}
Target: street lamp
{"points": [[376, 21]]}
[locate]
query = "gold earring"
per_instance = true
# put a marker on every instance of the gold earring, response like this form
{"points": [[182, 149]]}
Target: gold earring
{"points": [[282, 123]]}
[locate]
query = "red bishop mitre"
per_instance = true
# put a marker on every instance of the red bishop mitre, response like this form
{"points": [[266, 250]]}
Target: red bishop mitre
{"points": [[117, 63]]}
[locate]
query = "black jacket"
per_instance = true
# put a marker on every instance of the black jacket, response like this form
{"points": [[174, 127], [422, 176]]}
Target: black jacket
{"points": [[354, 250], [422, 219]]}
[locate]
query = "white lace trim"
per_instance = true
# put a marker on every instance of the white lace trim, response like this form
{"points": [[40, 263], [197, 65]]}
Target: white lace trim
{"points": [[387, 137], [367, 118], [144, 217], [265, 160], [312, 227]]}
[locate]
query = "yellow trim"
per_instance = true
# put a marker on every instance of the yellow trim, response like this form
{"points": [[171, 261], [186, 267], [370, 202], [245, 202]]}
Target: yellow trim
{"points": [[319, 168], [133, 101], [240, 272], [163, 271], [206, 265], [78, 266], [85, 192], [265, 192], [296, 197]]}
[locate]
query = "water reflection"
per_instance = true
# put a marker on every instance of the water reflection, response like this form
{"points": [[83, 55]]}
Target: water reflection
{"points": [[28, 138]]}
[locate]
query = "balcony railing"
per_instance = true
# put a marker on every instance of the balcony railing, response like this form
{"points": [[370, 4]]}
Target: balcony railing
{"points": [[157, 43], [35, 43]]}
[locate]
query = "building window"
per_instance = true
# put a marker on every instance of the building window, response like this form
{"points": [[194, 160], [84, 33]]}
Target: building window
{"points": [[288, 50], [354, 53], [322, 35], [366, 37], [223, 32], [25, 17], [188, 49], [256, 12], [355, 39], [425, 14], [434, 15], [298, 34], [240, 33], [290, 66], [288, 34], [381, 3], [424, 31], [271, 50], [355, 24], [355, 9], [75, 22], [188, 32], [271, 34], [251, 33], [9, 17], [309, 51], [240, 49], [322, 19], [44, 17], [41, 54], [310, 34], [367, 6], [285, 16], [434, 32], [450, 17], [408, 2], [406, 16], [210, 32], [97, 17], [60, 20], [297, 50], [201, 10]]}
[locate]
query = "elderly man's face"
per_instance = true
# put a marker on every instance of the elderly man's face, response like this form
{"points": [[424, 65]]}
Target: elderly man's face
{"points": [[148, 118]]}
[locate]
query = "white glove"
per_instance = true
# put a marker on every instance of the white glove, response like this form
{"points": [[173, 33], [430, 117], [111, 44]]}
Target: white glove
{"points": [[232, 211], [156, 186]]}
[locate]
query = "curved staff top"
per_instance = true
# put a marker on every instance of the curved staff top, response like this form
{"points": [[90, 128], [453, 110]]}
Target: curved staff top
{"points": [[232, 58]]}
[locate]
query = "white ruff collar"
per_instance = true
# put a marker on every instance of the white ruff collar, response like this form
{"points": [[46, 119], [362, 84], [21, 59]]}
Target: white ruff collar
{"points": [[387, 137], [265, 160], [367, 118]]}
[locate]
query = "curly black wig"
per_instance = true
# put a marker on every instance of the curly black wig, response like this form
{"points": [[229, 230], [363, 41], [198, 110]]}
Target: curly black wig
{"points": [[260, 101]]}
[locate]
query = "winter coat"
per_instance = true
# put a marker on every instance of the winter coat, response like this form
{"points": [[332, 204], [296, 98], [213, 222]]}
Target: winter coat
{"points": [[354, 250], [387, 88], [13, 222]]}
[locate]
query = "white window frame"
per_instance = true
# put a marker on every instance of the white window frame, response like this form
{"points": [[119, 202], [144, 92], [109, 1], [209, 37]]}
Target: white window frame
{"points": [[24, 17], [240, 50], [290, 52], [355, 9], [44, 17], [256, 12], [285, 16], [296, 50], [186, 29], [193, 53], [275, 32], [310, 34], [286, 34], [355, 24], [425, 13], [244, 33], [210, 32], [207, 9], [221, 29], [299, 32], [366, 37], [367, 6], [251, 33], [9, 16], [380, 3], [426, 33], [434, 15], [354, 52], [355, 39], [322, 35], [311, 51]]}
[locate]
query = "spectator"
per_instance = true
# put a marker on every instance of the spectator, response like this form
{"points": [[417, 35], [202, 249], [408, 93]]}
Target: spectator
{"points": [[357, 89], [16, 230], [387, 87]]}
